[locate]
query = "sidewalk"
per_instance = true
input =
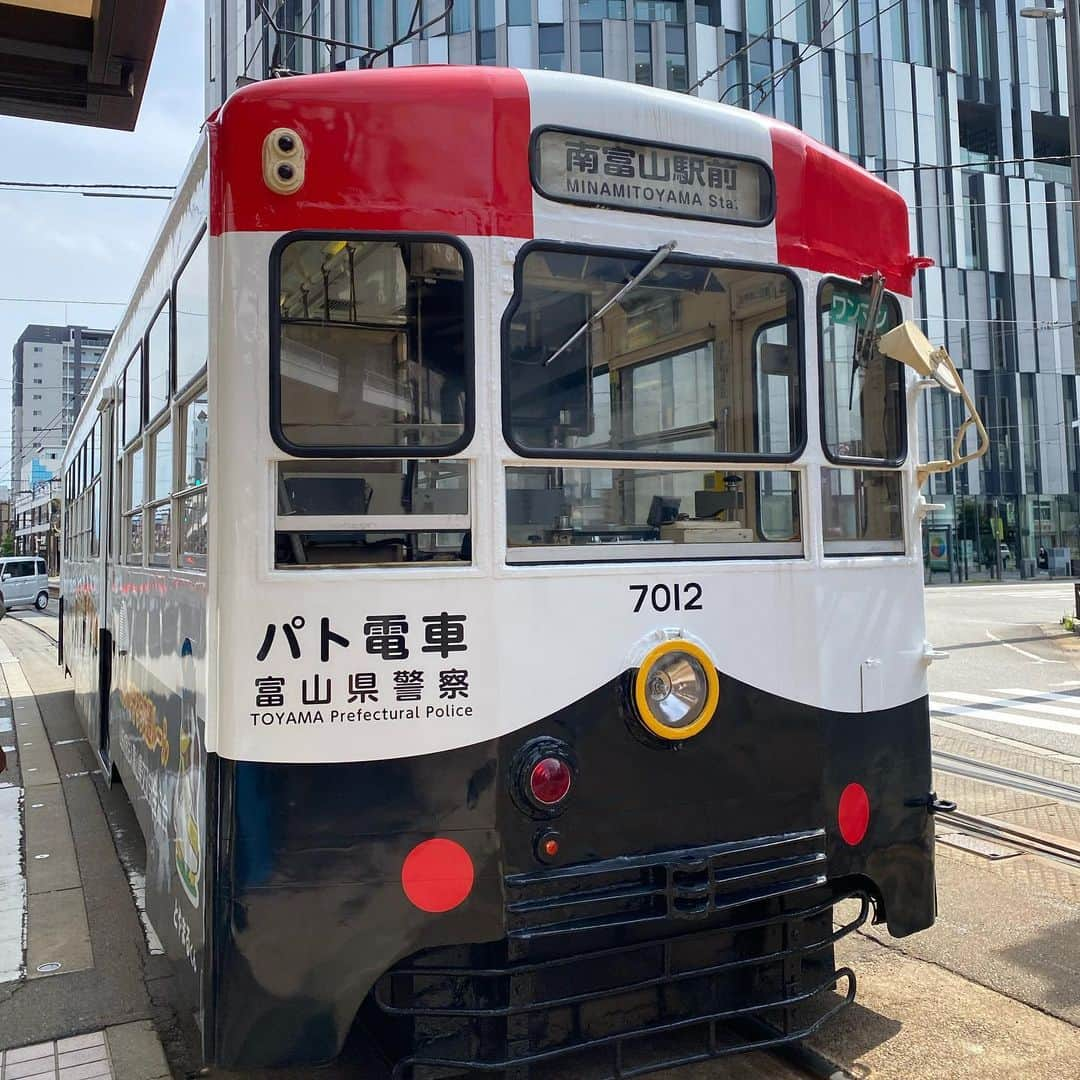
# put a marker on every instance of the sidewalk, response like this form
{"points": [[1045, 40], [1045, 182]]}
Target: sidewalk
{"points": [[81, 996], [940, 578], [125, 1052]]}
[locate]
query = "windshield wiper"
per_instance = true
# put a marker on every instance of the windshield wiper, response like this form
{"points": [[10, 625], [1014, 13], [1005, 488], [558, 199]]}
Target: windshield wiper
{"points": [[658, 257], [866, 339]]}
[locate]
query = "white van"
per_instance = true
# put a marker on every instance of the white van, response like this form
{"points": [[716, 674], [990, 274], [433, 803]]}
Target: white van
{"points": [[23, 580]]}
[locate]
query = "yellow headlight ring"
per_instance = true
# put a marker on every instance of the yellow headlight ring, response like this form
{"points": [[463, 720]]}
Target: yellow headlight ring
{"points": [[712, 697]]}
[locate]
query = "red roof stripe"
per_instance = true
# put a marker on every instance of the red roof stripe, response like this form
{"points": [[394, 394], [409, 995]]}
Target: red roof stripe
{"points": [[418, 149], [834, 217], [445, 149]]}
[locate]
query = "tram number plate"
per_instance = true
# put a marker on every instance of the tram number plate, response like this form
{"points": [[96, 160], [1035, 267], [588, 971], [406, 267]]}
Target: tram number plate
{"points": [[668, 597]]}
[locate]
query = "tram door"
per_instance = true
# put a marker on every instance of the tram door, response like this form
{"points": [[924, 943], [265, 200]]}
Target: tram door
{"points": [[103, 646]]}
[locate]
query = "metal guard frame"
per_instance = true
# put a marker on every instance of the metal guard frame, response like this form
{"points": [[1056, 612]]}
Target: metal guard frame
{"points": [[438, 1053]]}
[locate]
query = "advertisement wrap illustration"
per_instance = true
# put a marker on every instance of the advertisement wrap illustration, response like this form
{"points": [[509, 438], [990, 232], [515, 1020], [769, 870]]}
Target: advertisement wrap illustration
{"points": [[188, 792]]}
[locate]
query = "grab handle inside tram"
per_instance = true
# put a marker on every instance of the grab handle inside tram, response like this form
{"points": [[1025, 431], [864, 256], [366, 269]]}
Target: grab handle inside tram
{"points": [[908, 344]]}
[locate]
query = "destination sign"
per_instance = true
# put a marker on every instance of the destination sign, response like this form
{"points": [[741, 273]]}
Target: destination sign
{"points": [[628, 175]]}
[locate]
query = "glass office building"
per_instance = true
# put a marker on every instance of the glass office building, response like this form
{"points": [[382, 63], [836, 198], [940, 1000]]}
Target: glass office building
{"points": [[960, 104]]}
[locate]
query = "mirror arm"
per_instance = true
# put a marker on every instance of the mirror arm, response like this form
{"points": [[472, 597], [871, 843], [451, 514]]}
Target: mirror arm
{"points": [[926, 470]]}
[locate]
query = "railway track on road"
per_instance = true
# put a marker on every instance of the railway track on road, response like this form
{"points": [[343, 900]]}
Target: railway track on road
{"points": [[1005, 777], [33, 624], [1058, 848]]}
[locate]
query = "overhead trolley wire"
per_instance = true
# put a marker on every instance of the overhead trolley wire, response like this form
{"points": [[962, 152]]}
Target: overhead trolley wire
{"points": [[117, 187], [744, 50], [977, 165], [71, 303], [778, 76]]}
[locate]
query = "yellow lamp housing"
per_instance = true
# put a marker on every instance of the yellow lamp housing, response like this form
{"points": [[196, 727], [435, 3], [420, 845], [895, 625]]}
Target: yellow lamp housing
{"points": [[676, 690]]}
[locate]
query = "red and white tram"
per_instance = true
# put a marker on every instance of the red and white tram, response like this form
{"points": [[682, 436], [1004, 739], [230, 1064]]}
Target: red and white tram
{"points": [[492, 565]]}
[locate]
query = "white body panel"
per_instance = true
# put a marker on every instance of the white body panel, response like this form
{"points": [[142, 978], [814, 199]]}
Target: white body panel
{"points": [[538, 637]]}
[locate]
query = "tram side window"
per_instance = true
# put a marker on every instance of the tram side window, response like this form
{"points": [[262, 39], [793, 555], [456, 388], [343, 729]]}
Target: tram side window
{"points": [[82, 488], [159, 510], [193, 315], [134, 488], [133, 397], [863, 403], [695, 360], [157, 362], [372, 343], [91, 544], [191, 500], [372, 513]]}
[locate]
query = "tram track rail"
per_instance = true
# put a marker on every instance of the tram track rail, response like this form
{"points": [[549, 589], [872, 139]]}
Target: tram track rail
{"points": [[973, 769], [34, 625], [1056, 848], [1050, 846]]}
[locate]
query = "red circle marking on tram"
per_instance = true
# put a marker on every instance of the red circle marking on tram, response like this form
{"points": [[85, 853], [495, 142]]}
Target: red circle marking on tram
{"points": [[437, 875], [853, 813]]}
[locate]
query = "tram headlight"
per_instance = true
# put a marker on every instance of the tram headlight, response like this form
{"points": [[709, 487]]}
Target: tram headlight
{"points": [[676, 690]]}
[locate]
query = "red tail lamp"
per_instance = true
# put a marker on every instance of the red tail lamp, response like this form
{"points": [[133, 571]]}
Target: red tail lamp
{"points": [[853, 814], [437, 875], [549, 781]]}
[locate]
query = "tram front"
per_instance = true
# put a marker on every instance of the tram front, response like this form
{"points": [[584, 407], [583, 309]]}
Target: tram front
{"points": [[577, 670]]}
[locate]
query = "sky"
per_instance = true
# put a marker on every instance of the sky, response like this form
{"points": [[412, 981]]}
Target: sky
{"points": [[67, 249]]}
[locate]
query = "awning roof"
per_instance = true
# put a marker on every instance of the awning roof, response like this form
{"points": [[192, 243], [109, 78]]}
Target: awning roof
{"points": [[77, 61]]}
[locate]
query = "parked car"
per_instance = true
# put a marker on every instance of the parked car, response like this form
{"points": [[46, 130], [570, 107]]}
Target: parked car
{"points": [[24, 582]]}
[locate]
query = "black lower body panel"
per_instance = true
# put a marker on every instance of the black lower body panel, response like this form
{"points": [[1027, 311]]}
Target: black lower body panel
{"points": [[691, 895], [684, 957]]}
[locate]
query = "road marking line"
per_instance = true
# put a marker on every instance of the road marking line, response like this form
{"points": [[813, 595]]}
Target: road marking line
{"points": [[1012, 703], [1022, 652], [1047, 695], [1006, 718]]}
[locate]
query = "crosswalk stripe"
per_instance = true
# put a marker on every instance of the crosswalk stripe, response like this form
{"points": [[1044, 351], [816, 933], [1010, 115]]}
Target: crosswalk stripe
{"points": [[1002, 717], [1041, 707], [1047, 695]]}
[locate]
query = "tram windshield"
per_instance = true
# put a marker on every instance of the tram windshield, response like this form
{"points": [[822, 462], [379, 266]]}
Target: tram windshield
{"points": [[863, 402], [696, 361], [372, 346], [651, 358]]}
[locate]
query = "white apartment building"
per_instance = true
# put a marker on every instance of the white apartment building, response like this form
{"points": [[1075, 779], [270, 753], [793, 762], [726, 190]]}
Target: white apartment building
{"points": [[52, 369]]}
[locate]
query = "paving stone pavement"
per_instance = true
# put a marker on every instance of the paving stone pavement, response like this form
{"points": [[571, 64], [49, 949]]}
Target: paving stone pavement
{"points": [[84, 1057], [124, 1052]]}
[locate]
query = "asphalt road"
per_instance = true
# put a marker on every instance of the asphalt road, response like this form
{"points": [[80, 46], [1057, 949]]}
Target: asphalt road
{"points": [[1012, 669]]}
